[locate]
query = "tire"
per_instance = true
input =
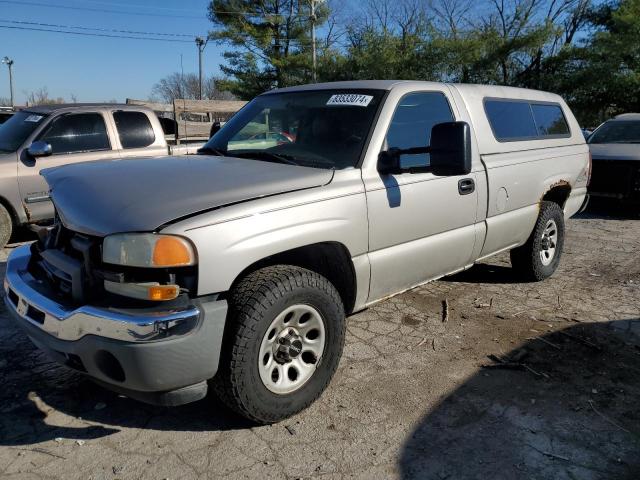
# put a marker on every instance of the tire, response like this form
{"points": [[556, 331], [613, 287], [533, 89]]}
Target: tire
{"points": [[260, 305], [6, 226], [532, 261]]}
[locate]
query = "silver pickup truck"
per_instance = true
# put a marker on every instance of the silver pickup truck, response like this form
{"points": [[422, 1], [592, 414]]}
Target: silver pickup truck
{"points": [[64, 134], [235, 269]]}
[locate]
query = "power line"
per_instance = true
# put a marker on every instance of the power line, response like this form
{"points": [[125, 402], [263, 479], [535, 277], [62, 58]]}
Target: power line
{"points": [[21, 22], [99, 10], [133, 5], [56, 28], [145, 14], [88, 34]]}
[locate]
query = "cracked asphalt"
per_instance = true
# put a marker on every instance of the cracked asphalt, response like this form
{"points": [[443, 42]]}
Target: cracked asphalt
{"points": [[523, 380]]}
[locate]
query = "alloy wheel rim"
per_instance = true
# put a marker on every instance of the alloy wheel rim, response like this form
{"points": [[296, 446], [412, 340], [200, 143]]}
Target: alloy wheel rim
{"points": [[291, 349]]}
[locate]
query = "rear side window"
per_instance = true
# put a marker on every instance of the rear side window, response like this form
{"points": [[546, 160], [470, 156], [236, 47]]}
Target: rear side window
{"points": [[134, 129], [412, 122], [549, 119], [513, 120], [510, 120], [81, 132]]}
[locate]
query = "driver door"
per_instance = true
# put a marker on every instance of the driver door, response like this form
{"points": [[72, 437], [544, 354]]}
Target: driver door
{"points": [[421, 226]]}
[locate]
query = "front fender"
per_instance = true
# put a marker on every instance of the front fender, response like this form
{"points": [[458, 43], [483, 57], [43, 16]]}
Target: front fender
{"points": [[227, 248]]}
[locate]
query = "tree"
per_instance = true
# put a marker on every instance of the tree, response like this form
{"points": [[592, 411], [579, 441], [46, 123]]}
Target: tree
{"points": [[41, 97], [600, 77], [269, 39], [5, 102], [388, 40], [186, 86]]}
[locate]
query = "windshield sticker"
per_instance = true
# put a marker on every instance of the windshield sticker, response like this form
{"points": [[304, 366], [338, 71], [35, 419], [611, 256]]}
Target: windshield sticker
{"points": [[354, 100], [33, 118]]}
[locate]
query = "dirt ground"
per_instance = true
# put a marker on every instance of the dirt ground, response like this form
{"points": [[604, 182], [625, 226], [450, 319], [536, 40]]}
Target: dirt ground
{"points": [[524, 380]]}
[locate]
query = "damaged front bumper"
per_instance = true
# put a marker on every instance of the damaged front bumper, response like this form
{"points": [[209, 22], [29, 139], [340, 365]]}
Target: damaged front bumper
{"points": [[160, 357]]}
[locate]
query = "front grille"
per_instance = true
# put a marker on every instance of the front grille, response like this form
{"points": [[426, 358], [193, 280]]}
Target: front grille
{"points": [[615, 178], [35, 314], [13, 297], [67, 261]]}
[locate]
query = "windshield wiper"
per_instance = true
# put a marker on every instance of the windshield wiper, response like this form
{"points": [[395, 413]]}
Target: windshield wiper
{"points": [[215, 151], [272, 157]]}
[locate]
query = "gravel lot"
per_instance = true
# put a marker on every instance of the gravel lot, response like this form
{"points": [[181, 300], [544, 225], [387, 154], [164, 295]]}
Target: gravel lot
{"points": [[414, 397]]}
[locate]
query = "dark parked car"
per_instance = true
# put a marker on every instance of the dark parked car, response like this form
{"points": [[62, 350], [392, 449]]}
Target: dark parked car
{"points": [[615, 148]]}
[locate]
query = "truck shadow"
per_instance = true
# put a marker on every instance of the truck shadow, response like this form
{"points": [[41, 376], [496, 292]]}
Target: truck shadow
{"points": [[485, 273], [565, 407]]}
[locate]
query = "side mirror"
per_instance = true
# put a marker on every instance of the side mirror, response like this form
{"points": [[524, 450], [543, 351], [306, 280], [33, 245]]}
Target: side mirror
{"points": [[450, 152], [39, 149], [215, 128], [451, 149]]}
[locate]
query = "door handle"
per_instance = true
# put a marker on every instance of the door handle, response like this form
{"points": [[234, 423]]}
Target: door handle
{"points": [[466, 186]]}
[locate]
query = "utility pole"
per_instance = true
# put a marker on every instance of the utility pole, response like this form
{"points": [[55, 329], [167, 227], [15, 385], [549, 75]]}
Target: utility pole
{"points": [[9, 63], [313, 40], [200, 43]]}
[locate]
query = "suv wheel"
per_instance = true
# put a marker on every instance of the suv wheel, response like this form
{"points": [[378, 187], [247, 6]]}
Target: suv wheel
{"points": [[539, 257], [282, 345], [6, 226]]}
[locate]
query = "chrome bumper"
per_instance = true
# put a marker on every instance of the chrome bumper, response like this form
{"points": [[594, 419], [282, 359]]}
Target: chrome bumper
{"points": [[23, 298]]}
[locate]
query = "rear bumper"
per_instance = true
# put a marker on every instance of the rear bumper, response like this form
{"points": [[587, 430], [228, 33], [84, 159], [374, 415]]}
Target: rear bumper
{"points": [[160, 357]]}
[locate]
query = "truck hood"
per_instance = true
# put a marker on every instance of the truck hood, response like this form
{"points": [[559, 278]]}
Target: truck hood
{"points": [[615, 151], [142, 194]]}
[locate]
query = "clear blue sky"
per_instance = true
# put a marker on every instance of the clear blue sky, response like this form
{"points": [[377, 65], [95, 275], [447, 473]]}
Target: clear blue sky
{"points": [[97, 69]]}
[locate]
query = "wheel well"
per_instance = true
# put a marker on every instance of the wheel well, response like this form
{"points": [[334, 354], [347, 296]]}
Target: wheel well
{"points": [[558, 193], [330, 259]]}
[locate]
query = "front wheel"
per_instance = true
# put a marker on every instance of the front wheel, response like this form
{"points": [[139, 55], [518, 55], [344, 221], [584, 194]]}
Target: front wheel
{"points": [[283, 343], [540, 256]]}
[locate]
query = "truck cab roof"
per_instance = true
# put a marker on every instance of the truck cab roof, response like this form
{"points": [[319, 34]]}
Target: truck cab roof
{"points": [[464, 88]]}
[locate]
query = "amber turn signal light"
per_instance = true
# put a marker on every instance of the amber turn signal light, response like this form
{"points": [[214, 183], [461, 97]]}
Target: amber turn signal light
{"points": [[163, 292], [171, 252]]}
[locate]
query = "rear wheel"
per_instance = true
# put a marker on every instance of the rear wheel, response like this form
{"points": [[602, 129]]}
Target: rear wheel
{"points": [[540, 256], [6, 226], [283, 343]]}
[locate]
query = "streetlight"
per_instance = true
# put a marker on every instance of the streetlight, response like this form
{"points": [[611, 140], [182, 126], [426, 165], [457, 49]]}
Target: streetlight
{"points": [[313, 18], [200, 43], [9, 63]]}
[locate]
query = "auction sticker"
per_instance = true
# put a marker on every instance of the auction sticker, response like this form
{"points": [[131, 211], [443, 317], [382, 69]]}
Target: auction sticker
{"points": [[33, 118], [350, 99]]}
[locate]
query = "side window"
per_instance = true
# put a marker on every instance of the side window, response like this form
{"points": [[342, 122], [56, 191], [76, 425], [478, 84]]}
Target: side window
{"points": [[513, 120], [81, 132], [412, 121], [510, 120], [549, 119], [134, 129]]}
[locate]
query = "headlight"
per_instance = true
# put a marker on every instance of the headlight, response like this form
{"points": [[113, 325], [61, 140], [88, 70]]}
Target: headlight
{"points": [[148, 250]]}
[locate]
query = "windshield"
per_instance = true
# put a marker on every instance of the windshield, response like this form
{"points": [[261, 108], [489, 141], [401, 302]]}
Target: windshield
{"points": [[617, 132], [15, 131], [322, 128]]}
